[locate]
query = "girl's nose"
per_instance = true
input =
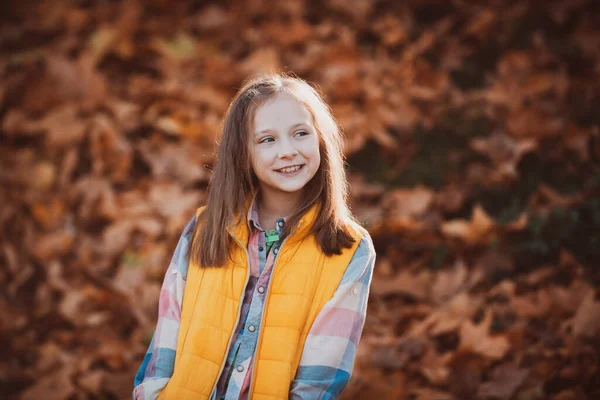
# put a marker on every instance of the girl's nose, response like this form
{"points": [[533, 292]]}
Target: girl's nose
{"points": [[287, 149]]}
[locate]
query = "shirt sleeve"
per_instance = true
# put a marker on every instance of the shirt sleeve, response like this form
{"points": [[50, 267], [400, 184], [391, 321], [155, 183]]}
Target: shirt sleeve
{"points": [[159, 361], [328, 357]]}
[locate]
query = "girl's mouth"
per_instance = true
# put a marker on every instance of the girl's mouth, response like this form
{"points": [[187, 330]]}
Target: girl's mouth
{"points": [[290, 171]]}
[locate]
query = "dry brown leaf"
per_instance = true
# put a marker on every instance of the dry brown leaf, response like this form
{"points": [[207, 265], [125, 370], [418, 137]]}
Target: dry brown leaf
{"points": [[450, 317], [90, 192], [52, 357], [391, 30], [129, 278], [181, 47], [49, 213], [171, 161], [116, 237], [151, 227], [501, 147], [51, 245], [505, 380], [265, 60], [429, 83], [92, 381], [70, 303], [430, 394], [212, 18], [372, 383], [382, 136], [64, 81], [288, 33], [358, 9], [539, 84], [118, 383], [42, 177], [480, 229], [585, 322], [477, 339], [113, 354], [434, 367], [546, 198], [23, 275], [449, 282], [450, 198], [355, 126], [405, 282], [170, 201], [10, 257], [532, 123], [466, 370], [407, 203], [56, 385], [540, 275], [340, 72], [481, 24], [400, 112], [533, 305], [112, 155]]}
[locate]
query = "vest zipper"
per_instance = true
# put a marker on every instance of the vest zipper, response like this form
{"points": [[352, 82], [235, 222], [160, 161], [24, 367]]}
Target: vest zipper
{"points": [[262, 317], [237, 320]]}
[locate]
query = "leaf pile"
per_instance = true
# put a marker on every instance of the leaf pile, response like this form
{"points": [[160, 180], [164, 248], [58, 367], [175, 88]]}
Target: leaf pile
{"points": [[473, 145]]}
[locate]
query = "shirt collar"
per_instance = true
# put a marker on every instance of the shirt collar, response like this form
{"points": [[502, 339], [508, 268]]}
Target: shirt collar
{"points": [[253, 220], [241, 229]]}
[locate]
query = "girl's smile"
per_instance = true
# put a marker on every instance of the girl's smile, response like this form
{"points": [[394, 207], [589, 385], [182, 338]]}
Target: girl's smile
{"points": [[290, 171]]}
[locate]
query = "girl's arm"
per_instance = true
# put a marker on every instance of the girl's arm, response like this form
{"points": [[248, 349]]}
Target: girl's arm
{"points": [[159, 361], [330, 348]]}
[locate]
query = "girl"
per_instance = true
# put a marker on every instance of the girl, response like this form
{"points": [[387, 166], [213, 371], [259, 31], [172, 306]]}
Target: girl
{"points": [[266, 294]]}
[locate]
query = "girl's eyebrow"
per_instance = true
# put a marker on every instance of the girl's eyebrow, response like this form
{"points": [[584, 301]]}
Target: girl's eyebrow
{"points": [[292, 127]]}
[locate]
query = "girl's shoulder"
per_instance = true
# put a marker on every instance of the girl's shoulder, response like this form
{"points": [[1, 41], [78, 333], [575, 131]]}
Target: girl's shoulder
{"points": [[365, 245], [355, 229]]}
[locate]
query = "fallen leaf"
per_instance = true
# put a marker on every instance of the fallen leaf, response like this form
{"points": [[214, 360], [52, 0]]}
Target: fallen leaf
{"points": [[477, 339], [585, 322], [477, 230], [92, 381], [505, 381], [405, 282], [56, 385]]}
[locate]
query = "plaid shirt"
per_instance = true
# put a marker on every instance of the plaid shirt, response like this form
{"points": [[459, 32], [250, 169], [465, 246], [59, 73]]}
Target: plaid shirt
{"points": [[330, 348]]}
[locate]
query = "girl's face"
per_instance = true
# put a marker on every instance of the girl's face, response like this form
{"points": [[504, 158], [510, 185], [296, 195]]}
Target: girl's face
{"points": [[284, 146]]}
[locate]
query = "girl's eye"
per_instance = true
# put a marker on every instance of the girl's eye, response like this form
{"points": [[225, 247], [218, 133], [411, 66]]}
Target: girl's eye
{"points": [[266, 140], [302, 133]]}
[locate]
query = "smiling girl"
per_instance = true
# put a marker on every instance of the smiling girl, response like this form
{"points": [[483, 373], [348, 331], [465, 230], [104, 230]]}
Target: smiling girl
{"points": [[266, 294]]}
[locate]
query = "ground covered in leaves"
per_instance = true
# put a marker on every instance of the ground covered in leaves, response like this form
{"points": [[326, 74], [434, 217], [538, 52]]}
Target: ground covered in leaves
{"points": [[473, 144]]}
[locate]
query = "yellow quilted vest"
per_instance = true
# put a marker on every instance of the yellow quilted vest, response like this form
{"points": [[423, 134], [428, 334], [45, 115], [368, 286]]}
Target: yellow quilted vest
{"points": [[303, 280]]}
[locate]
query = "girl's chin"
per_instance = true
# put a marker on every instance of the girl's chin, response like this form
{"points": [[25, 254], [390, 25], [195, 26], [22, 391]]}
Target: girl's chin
{"points": [[291, 189]]}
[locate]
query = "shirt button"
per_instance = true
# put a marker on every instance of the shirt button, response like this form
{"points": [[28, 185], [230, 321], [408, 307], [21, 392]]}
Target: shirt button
{"points": [[251, 328], [355, 291], [240, 368], [261, 289], [260, 248], [276, 250], [280, 223]]}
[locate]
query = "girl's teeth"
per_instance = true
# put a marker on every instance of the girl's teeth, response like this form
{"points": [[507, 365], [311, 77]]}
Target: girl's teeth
{"points": [[290, 169]]}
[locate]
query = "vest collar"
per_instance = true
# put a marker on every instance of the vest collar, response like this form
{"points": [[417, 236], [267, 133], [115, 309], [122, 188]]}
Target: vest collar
{"points": [[241, 230]]}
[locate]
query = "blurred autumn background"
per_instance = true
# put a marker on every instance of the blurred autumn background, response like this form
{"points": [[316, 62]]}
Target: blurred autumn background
{"points": [[473, 148]]}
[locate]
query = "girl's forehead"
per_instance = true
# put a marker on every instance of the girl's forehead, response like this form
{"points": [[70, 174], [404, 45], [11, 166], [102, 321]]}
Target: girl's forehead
{"points": [[279, 110]]}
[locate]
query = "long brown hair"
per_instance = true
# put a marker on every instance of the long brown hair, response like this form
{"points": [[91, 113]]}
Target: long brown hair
{"points": [[234, 180]]}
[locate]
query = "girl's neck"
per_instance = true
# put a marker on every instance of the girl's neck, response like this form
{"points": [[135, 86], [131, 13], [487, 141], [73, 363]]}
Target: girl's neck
{"points": [[276, 205]]}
